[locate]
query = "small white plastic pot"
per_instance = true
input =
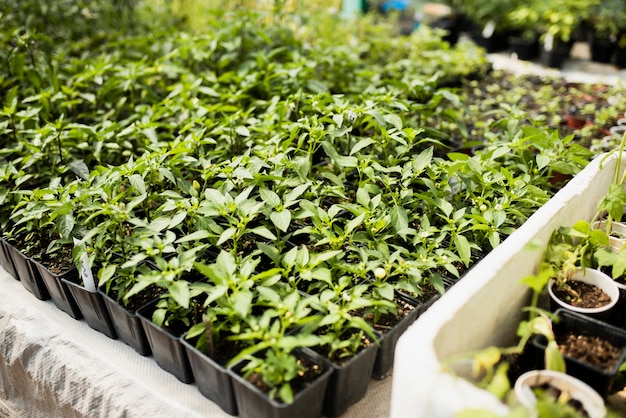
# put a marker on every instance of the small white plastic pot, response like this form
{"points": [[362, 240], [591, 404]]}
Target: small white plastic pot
{"points": [[617, 239], [596, 278], [577, 389]]}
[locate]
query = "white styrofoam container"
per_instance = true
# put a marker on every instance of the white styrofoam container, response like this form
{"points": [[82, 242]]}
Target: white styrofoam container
{"points": [[484, 308]]}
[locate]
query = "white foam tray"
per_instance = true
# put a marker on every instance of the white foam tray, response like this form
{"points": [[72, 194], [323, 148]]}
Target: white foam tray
{"points": [[484, 307]]}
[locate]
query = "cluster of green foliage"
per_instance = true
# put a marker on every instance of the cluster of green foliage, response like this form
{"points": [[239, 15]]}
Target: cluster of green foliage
{"points": [[276, 183]]}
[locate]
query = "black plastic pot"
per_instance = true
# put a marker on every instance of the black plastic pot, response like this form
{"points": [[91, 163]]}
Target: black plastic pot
{"points": [[387, 344], [349, 381], [601, 49], [28, 274], [127, 325], [5, 259], [452, 26], [495, 43], [308, 403], [555, 57], [620, 57], [594, 376], [59, 292], [213, 380], [92, 306], [167, 349], [525, 49]]}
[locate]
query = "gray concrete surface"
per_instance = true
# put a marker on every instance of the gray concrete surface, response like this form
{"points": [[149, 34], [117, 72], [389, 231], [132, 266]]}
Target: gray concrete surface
{"points": [[577, 69]]}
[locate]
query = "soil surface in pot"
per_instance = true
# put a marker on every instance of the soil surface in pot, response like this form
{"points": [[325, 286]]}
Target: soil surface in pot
{"points": [[590, 296], [224, 350], [310, 372], [339, 357], [58, 262], [142, 298], [593, 350], [386, 321], [546, 390]]}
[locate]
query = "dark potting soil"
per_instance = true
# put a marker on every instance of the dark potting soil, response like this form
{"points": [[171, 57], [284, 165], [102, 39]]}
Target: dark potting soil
{"points": [[305, 377], [224, 351], [547, 390], [590, 296], [339, 357], [58, 262], [386, 321], [592, 350], [142, 298], [428, 292]]}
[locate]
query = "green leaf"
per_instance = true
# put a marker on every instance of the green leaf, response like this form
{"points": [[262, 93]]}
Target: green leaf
{"points": [[105, 274], [463, 248], [177, 219], [377, 116], [286, 394], [242, 131], [542, 161], [614, 201], [159, 224], [399, 218], [340, 160], [362, 197], [138, 184], [158, 317], [394, 120], [262, 231], [355, 223], [79, 168], [269, 294], [361, 144], [179, 290], [270, 197], [386, 291], [194, 236], [226, 235], [242, 302], [553, 357], [281, 219], [457, 156], [66, 225]]}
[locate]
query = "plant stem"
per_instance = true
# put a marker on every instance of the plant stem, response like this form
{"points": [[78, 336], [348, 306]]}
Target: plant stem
{"points": [[209, 337]]}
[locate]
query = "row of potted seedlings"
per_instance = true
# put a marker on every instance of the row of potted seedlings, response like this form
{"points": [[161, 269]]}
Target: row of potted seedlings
{"points": [[266, 257], [231, 213], [573, 344], [204, 268]]}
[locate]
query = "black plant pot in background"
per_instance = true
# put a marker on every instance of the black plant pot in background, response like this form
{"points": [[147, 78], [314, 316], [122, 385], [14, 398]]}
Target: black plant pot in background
{"points": [[525, 49], [596, 377], [92, 306], [620, 57], [167, 349], [28, 274], [452, 26], [307, 403], [59, 292], [601, 49], [127, 325], [495, 43], [212, 379], [555, 57]]}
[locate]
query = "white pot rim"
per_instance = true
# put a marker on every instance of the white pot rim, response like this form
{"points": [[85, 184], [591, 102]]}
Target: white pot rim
{"points": [[595, 277], [579, 390]]}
